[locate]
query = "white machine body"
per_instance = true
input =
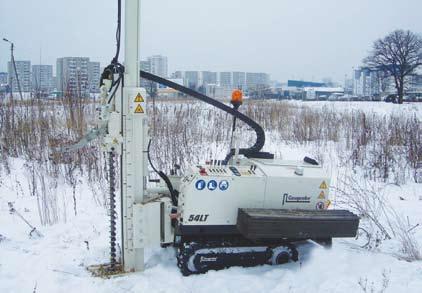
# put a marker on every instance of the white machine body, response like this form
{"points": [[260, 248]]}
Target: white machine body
{"points": [[212, 194]]}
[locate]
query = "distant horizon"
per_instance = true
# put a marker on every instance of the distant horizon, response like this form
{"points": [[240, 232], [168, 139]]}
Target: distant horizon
{"points": [[170, 72]]}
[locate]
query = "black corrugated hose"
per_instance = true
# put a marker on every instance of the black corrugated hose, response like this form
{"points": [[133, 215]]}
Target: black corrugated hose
{"points": [[254, 150]]}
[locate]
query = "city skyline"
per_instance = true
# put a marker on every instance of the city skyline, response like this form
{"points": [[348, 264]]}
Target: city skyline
{"points": [[363, 82], [69, 70]]}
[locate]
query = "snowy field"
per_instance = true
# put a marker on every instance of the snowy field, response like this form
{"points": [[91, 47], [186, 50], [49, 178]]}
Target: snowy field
{"points": [[57, 261], [369, 107]]}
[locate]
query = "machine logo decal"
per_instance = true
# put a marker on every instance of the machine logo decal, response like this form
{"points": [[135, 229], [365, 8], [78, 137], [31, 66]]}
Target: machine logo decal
{"points": [[212, 185], [223, 185], [200, 184], [198, 218], [320, 205], [287, 198]]}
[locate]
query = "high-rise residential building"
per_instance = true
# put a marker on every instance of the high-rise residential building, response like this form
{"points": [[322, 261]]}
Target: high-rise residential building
{"points": [[77, 76], [3, 82], [145, 65], [226, 79], [54, 82], [348, 85], [192, 79], [23, 69], [208, 77], [158, 65], [3, 78], [195, 79], [217, 92], [239, 80], [256, 80], [366, 82], [94, 74], [42, 78]]}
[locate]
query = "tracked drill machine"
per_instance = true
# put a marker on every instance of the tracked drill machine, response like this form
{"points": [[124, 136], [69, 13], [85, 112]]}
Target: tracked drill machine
{"points": [[246, 209]]}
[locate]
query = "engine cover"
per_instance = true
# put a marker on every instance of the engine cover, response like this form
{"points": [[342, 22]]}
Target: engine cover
{"points": [[210, 195]]}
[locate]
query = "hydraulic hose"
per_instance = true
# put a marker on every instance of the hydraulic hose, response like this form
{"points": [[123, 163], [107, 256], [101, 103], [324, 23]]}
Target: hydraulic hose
{"points": [[252, 151]]}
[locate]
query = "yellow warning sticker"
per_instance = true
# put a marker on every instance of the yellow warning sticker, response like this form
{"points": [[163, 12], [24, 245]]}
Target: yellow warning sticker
{"points": [[323, 185], [139, 99], [139, 109], [321, 195]]}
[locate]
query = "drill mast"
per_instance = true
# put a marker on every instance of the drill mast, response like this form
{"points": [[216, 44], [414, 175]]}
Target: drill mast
{"points": [[134, 130]]}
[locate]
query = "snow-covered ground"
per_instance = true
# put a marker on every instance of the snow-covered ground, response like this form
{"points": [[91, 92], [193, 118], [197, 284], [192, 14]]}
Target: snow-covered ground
{"points": [[369, 107], [57, 261]]}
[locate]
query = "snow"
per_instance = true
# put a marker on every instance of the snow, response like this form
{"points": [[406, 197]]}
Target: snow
{"points": [[57, 261], [367, 107]]}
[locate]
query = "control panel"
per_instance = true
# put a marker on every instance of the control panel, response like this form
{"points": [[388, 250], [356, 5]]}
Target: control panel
{"points": [[221, 170]]}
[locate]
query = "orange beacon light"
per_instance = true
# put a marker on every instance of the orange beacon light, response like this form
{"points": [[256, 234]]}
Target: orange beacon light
{"points": [[237, 98]]}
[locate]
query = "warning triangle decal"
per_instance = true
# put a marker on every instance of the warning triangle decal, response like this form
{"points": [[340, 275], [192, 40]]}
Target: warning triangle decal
{"points": [[323, 185], [139, 109], [139, 98]]}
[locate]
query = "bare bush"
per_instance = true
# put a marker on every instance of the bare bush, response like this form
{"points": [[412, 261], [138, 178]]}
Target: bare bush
{"points": [[383, 147], [410, 249], [368, 202], [33, 130], [380, 220], [369, 287]]}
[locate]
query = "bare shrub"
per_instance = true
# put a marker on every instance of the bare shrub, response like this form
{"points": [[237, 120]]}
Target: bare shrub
{"points": [[410, 249], [384, 147], [33, 130], [380, 220], [369, 287], [368, 202]]}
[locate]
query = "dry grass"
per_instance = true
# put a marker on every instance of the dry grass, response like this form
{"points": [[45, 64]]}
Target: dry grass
{"points": [[384, 148]]}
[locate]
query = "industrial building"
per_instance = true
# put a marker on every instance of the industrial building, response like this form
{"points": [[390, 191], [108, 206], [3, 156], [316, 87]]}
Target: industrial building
{"points": [[321, 93]]}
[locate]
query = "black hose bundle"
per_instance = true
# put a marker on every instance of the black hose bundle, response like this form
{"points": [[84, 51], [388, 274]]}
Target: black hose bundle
{"points": [[254, 150]]}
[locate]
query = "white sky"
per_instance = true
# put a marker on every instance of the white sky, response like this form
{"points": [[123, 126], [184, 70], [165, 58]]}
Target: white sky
{"points": [[302, 39]]}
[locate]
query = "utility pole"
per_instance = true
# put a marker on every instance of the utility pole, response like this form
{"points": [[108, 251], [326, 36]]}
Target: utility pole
{"points": [[12, 60]]}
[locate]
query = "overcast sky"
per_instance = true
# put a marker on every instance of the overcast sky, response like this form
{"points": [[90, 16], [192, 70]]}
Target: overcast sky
{"points": [[301, 39]]}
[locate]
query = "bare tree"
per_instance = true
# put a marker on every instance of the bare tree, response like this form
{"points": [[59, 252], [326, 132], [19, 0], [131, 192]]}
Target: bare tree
{"points": [[399, 54], [383, 79]]}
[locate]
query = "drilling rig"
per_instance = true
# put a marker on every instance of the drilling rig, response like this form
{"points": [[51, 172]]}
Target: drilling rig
{"points": [[246, 209]]}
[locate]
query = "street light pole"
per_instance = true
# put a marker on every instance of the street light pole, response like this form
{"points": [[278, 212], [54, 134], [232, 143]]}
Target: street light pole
{"points": [[12, 60], [10, 77]]}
